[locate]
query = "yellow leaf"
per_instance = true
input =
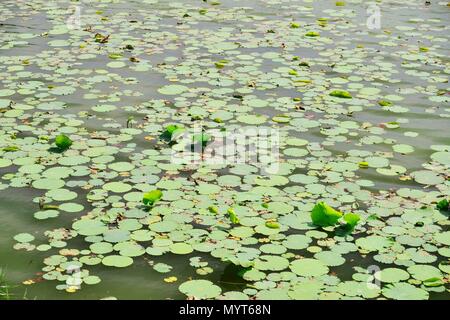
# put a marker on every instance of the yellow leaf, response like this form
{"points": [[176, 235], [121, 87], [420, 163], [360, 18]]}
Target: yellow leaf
{"points": [[71, 289], [28, 282], [170, 279]]}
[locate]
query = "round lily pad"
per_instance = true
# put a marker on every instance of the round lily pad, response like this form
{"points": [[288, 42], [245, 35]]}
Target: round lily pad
{"points": [[308, 267], [200, 289], [391, 275], [117, 261]]}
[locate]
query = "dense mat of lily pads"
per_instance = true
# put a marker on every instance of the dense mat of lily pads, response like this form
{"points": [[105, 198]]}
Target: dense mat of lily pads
{"points": [[83, 113]]}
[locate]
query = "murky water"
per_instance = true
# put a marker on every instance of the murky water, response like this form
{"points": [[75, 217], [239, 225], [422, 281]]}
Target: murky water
{"points": [[405, 60]]}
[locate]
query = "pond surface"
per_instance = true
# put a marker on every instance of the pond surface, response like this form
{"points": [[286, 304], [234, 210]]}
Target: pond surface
{"points": [[353, 95]]}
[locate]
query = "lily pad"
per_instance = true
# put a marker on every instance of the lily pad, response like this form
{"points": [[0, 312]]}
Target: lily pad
{"points": [[200, 289]]}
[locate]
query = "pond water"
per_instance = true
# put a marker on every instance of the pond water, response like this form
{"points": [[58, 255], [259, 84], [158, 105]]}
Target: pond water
{"points": [[356, 94]]}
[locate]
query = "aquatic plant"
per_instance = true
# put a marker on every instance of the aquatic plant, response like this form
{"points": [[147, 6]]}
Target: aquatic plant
{"points": [[444, 205], [151, 197], [171, 132], [4, 287], [324, 216], [342, 104], [341, 94], [233, 216], [63, 142]]}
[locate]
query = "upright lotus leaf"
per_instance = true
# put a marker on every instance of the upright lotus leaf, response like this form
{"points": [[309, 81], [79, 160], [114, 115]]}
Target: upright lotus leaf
{"points": [[151, 197], [115, 56], [171, 128], [171, 131], [351, 220], [272, 224], [433, 282], [232, 215], [313, 99], [11, 148], [63, 142], [213, 209], [221, 64], [341, 94], [200, 289], [363, 164], [443, 205], [312, 34], [324, 216], [384, 103], [130, 121]]}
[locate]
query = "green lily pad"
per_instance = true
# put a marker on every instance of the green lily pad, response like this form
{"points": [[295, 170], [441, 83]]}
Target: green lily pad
{"points": [[117, 261], [200, 289], [23, 237], [404, 291], [308, 267], [391, 275]]}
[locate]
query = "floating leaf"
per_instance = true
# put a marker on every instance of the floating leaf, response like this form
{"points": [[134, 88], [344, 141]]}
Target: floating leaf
{"points": [[272, 224], [309, 267], [23, 237], [404, 291], [117, 261], [200, 289], [170, 279], [351, 220], [341, 94], [312, 34]]}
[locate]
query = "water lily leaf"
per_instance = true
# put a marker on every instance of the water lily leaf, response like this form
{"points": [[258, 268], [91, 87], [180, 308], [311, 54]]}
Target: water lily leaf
{"points": [[373, 243], [351, 220], [200, 289], [117, 261], [151, 197], [330, 258], [308, 267], [273, 225], [323, 215], [424, 272], [404, 291], [23, 237], [181, 248], [162, 267], [391, 275], [341, 94], [63, 142], [173, 89], [232, 215], [427, 177]]}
